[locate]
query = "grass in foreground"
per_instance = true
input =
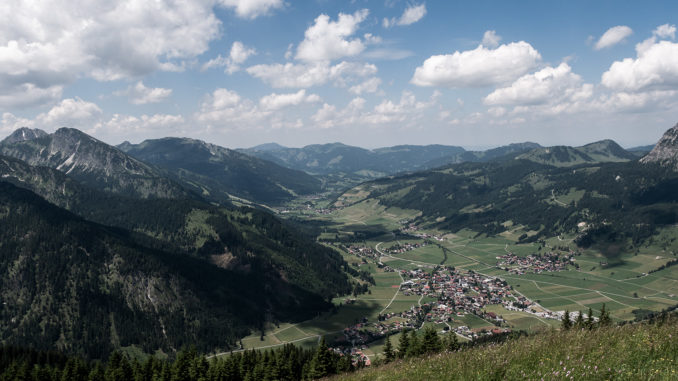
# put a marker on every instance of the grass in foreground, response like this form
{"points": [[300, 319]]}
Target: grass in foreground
{"points": [[630, 352]]}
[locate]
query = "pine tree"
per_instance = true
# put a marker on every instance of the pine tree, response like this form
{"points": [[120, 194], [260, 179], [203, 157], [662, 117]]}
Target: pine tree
{"points": [[451, 343], [414, 349], [321, 365], [579, 321], [430, 342], [589, 319], [389, 354], [403, 344], [604, 319], [566, 323]]}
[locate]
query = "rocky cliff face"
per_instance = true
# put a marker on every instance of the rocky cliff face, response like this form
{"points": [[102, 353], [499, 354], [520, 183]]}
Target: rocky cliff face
{"points": [[23, 134], [666, 150], [90, 161]]}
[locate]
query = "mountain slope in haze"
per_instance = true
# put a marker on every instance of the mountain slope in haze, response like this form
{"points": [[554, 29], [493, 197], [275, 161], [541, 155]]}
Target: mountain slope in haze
{"points": [[80, 287], [564, 156], [665, 152], [323, 159], [483, 156], [216, 172], [91, 162]]}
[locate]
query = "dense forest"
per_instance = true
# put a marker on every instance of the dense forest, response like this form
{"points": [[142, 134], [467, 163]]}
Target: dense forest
{"points": [[85, 288]]}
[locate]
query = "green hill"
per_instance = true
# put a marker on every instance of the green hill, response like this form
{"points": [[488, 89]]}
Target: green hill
{"points": [[603, 151], [645, 351], [216, 172]]}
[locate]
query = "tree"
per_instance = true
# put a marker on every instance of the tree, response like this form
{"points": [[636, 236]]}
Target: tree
{"points": [[389, 354], [403, 344], [322, 364], [589, 319], [566, 323], [451, 342], [604, 319], [430, 342], [414, 349], [579, 321]]}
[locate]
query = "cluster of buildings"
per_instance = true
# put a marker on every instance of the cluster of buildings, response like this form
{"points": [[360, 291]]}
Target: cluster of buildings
{"points": [[403, 248], [535, 263]]}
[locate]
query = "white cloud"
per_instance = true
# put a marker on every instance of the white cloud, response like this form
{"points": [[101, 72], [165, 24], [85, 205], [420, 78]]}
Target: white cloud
{"points": [[478, 67], [27, 94], [134, 128], [277, 101], [225, 106], [328, 40], [412, 14], [665, 31], [655, 67], [292, 75], [72, 112], [613, 36], [46, 45], [553, 86], [369, 86], [623, 102], [238, 54], [139, 94], [250, 9], [491, 39]]}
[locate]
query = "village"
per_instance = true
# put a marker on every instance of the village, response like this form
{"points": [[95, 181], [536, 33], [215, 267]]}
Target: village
{"points": [[535, 263], [456, 293]]}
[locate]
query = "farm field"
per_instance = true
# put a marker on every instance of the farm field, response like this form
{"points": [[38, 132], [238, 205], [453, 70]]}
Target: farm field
{"points": [[629, 287]]}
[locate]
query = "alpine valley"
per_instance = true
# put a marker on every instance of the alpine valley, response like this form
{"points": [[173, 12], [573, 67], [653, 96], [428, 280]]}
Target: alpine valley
{"points": [[151, 248]]}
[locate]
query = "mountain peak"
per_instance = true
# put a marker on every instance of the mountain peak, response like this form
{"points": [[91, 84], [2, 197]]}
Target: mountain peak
{"points": [[666, 151], [23, 134]]}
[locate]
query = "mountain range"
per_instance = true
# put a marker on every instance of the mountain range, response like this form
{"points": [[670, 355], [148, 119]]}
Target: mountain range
{"points": [[336, 158], [102, 251], [106, 247]]}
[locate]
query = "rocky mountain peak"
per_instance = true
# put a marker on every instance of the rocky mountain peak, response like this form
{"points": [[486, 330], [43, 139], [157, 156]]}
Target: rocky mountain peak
{"points": [[23, 134], [666, 150]]}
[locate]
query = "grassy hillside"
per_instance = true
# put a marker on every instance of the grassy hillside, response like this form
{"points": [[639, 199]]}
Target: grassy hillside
{"points": [[630, 352]]}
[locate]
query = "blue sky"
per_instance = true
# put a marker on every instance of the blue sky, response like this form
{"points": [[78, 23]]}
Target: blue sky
{"points": [[368, 73]]}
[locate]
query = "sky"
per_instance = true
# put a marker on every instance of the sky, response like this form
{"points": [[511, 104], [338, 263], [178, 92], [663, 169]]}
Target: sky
{"points": [[239, 73]]}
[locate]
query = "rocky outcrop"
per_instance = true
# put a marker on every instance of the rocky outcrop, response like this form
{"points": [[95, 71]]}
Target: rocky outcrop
{"points": [[666, 151]]}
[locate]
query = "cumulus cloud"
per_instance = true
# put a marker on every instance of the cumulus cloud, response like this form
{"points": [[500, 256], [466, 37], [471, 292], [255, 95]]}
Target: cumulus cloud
{"points": [[549, 85], [250, 9], [412, 14], [47, 45], [408, 111], [291, 75], [139, 127], [665, 31], [72, 112], [653, 68], [327, 40], [238, 54], [491, 39], [478, 67], [369, 86], [277, 101], [139, 94], [613, 36]]}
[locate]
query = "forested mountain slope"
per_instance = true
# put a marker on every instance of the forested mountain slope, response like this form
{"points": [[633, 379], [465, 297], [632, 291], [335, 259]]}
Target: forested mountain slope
{"points": [[80, 287], [215, 172]]}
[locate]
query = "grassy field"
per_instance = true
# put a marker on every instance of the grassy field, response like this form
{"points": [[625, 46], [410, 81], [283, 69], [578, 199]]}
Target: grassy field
{"points": [[630, 352]]}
